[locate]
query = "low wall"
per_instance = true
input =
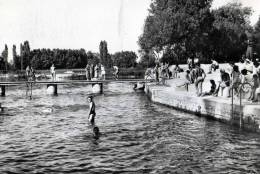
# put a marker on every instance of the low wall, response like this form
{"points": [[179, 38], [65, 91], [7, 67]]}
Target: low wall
{"points": [[212, 107]]}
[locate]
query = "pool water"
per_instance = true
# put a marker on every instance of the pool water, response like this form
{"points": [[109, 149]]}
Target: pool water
{"points": [[51, 134]]}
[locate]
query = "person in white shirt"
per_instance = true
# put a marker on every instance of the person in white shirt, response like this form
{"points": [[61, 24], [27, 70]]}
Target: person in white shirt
{"points": [[248, 65], [96, 71], [214, 66], [256, 68], [116, 71], [27, 72], [189, 62], [103, 72], [87, 69], [53, 73]]}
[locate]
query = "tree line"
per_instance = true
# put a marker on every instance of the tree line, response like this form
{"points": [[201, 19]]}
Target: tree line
{"points": [[176, 29], [65, 58]]}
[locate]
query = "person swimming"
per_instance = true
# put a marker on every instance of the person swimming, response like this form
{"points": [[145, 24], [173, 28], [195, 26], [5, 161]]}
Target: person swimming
{"points": [[92, 110], [96, 132]]}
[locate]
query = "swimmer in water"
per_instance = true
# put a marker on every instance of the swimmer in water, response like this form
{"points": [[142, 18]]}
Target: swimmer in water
{"points": [[92, 110], [96, 132]]}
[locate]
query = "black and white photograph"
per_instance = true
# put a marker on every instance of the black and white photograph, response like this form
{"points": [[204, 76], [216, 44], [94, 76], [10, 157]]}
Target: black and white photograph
{"points": [[129, 86]]}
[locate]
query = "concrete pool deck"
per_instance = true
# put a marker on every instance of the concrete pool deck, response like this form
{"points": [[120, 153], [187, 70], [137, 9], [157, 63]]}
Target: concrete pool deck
{"points": [[220, 108]]}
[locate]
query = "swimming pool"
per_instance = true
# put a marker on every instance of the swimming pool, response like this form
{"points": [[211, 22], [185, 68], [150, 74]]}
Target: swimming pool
{"points": [[50, 134]]}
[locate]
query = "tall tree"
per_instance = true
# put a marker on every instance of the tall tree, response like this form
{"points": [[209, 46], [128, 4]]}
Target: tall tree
{"points": [[182, 23], [105, 58], [5, 57], [15, 57], [257, 37], [146, 60], [103, 52], [27, 59], [228, 37], [21, 55], [25, 54], [124, 59]]}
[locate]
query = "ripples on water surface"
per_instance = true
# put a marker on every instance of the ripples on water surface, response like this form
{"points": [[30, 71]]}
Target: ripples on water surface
{"points": [[51, 135]]}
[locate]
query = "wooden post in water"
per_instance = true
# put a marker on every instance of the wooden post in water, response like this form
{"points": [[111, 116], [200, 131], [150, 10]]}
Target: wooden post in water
{"points": [[97, 88], [31, 90], [101, 88], [240, 104], [2, 90], [232, 102], [53, 91], [2, 108]]}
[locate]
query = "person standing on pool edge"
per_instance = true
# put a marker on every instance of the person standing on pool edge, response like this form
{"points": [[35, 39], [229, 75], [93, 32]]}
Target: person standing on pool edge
{"points": [[92, 110]]}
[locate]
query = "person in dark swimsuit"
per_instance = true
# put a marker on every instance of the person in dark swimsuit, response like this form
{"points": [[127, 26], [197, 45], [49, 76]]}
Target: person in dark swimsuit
{"points": [[200, 76], [92, 110]]}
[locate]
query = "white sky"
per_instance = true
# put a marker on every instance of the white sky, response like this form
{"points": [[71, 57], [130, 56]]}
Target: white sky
{"points": [[79, 23]]}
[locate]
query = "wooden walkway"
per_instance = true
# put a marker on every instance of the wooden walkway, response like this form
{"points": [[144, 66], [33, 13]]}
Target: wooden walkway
{"points": [[74, 82], [54, 84]]}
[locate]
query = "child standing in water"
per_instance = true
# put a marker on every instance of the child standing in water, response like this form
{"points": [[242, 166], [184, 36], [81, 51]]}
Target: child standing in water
{"points": [[92, 110]]}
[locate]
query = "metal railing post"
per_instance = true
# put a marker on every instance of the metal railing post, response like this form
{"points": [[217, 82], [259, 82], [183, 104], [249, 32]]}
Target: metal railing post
{"points": [[240, 101], [232, 102], [240, 105]]}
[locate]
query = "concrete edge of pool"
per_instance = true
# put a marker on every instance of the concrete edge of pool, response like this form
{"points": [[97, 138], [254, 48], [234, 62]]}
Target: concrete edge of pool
{"points": [[210, 107]]}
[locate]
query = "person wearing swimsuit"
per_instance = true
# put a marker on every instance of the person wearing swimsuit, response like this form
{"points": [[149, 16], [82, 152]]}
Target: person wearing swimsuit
{"points": [[53, 73], [92, 112], [200, 76]]}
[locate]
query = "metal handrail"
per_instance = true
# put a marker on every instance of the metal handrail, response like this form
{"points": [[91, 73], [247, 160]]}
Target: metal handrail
{"points": [[240, 100]]}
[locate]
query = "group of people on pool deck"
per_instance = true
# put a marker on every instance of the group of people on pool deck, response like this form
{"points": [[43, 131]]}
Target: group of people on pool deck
{"points": [[92, 71], [195, 74], [98, 71], [160, 73], [30, 73], [231, 78], [95, 71]]}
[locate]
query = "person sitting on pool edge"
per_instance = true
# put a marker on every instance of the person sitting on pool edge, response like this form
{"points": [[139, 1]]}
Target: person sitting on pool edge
{"points": [[92, 110], [212, 89], [223, 83]]}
